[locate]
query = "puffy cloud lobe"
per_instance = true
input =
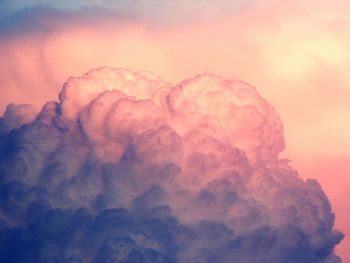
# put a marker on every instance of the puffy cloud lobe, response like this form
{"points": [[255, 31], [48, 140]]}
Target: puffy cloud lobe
{"points": [[17, 115], [128, 168]]}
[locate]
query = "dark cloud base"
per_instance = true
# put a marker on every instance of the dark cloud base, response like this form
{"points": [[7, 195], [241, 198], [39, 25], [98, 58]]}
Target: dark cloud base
{"points": [[119, 235]]}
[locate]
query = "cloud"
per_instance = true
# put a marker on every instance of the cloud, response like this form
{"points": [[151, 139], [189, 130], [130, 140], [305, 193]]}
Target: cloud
{"points": [[167, 11], [127, 167], [296, 53]]}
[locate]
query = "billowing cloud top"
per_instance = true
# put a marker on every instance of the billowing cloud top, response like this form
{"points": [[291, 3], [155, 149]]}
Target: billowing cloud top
{"points": [[126, 167]]}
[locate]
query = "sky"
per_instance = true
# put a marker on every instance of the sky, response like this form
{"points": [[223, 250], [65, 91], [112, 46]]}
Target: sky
{"points": [[295, 53]]}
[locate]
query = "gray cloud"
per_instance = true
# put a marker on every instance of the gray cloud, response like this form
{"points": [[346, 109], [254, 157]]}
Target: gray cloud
{"points": [[45, 16]]}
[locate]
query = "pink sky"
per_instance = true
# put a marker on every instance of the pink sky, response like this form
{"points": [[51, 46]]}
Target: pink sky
{"points": [[296, 54]]}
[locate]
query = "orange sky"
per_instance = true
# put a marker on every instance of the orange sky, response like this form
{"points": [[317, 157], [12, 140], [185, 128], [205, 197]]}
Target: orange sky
{"points": [[296, 54]]}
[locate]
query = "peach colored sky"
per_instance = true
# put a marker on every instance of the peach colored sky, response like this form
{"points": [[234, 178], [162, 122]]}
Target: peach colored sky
{"points": [[296, 54]]}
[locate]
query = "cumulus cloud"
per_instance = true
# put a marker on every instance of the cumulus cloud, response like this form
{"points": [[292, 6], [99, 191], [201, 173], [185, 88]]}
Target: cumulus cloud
{"points": [[127, 167], [295, 52]]}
